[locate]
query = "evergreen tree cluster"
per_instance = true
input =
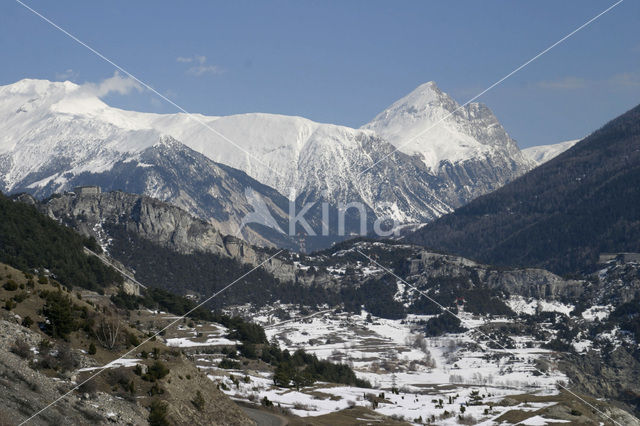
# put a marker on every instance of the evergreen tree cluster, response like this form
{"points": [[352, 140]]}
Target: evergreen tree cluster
{"points": [[442, 324], [30, 240], [627, 317], [303, 369]]}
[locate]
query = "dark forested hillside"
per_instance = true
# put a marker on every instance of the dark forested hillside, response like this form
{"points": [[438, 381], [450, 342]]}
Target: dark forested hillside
{"points": [[559, 216], [29, 239]]}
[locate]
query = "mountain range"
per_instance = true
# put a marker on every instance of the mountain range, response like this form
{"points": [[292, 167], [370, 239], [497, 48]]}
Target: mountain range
{"points": [[419, 159], [444, 307]]}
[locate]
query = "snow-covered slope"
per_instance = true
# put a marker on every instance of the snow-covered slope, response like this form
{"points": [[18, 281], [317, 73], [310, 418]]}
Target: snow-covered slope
{"points": [[543, 153], [55, 136], [53, 132], [430, 124]]}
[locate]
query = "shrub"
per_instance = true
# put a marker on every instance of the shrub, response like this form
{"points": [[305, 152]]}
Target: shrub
{"points": [[156, 371], [20, 297], [27, 322], [156, 390], [229, 364], [198, 401], [158, 414], [10, 285], [89, 387], [21, 348], [266, 403], [67, 361]]}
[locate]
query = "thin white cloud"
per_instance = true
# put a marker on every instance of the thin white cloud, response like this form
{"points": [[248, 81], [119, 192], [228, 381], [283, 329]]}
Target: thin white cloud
{"points": [[122, 85], [200, 70], [566, 83], [67, 74], [200, 66], [155, 102], [625, 80]]}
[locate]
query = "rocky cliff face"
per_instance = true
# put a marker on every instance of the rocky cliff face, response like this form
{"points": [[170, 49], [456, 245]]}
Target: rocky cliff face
{"points": [[173, 228], [153, 220], [613, 375], [535, 283]]}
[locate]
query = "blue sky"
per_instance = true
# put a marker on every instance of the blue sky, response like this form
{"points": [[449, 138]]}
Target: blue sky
{"points": [[342, 61]]}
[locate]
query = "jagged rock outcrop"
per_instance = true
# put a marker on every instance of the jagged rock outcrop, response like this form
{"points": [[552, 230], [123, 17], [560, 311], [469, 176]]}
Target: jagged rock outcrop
{"points": [[156, 221], [528, 282]]}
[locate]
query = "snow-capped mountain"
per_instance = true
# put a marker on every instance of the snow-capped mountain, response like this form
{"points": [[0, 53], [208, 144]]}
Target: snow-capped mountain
{"points": [[543, 153], [54, 135], [428, 123], [463, 156]]}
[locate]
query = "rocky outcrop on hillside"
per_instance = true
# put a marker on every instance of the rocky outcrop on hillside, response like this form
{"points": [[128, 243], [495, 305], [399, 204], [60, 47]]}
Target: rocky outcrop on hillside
{"points": [[618, 283], [536, 283], [611, 375], [149, 218], [159, 222]]}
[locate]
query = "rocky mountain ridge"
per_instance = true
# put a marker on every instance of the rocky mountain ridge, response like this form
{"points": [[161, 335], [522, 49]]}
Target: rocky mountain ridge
{"points": [[153, 220], [59, 135]]}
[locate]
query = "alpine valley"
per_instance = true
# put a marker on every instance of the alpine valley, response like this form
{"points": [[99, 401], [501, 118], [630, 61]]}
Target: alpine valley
{"points": [[514, 297]]}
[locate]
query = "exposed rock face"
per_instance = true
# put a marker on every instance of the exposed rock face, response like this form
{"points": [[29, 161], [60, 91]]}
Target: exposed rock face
{"points": [[537, 283], [612, 375], [145, 216], [156, 221]]}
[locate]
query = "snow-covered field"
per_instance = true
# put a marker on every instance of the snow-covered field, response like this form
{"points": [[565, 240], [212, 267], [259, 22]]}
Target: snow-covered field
{"points": [[413, 377]]}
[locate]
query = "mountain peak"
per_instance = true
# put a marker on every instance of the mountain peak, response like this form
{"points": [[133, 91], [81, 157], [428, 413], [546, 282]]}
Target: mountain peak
{"points": [[429, 123], [427, 94], [38, 87]]}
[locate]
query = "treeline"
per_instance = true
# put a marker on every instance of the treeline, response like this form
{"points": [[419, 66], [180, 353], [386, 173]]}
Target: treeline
{"points": [[31, 240]]}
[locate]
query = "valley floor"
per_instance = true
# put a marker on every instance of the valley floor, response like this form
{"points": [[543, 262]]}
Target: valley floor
{"points": [[450, 379]]}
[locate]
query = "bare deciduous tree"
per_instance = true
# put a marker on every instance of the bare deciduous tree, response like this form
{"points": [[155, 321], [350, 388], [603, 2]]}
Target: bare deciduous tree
{"points": [[108, 331]]}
